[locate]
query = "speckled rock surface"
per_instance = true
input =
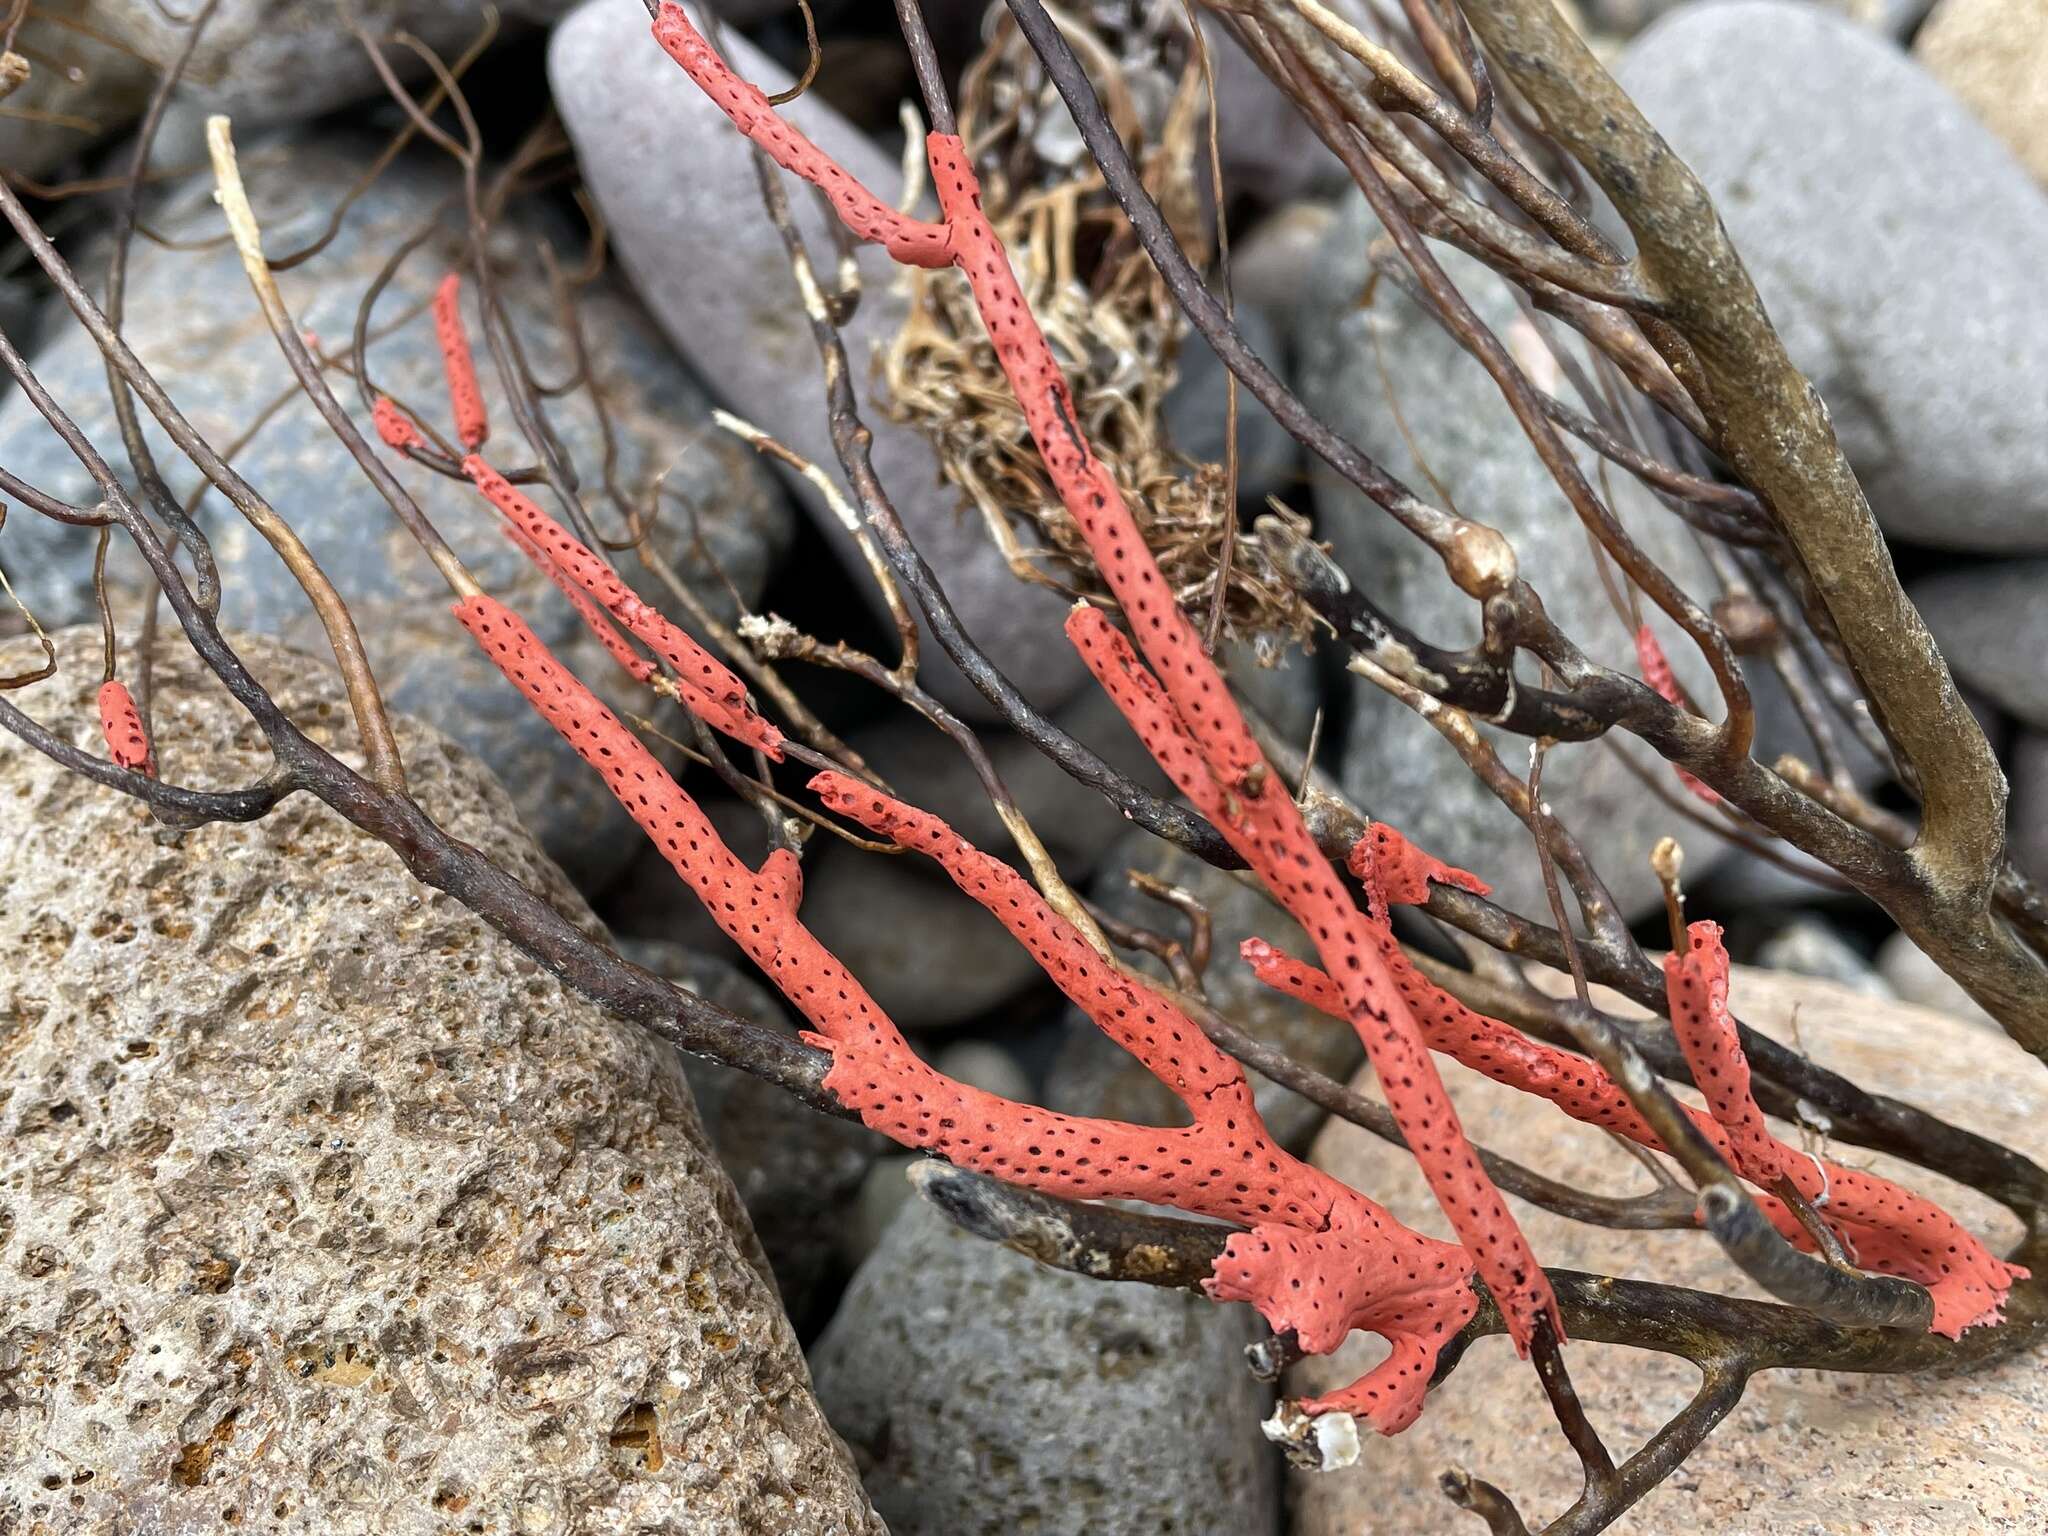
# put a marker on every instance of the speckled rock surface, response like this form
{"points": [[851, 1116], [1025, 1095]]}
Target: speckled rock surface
{"points": [[1992, 626], [985, 1396], [325, 1210], [1807, 1453]]}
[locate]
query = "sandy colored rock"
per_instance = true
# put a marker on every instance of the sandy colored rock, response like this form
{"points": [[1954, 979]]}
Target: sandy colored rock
{"points": [[1994, 55], [323, 1209], [1806, 1452]]}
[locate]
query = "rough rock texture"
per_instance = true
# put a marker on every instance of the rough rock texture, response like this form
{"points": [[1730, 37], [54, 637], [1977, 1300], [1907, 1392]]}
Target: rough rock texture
{"points": [[1395, 764], [985, 1396], [689, 229], [1093, 1075], [325, 1210], [193, 320], [1806, 1452], [796, 1169], [1991, 622], [1994, 55], [1857, 189], [1197, 412]]}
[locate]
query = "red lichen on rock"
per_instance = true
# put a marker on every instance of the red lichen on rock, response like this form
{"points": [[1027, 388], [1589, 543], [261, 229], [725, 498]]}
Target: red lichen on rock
{"points": [[1887, 1227], [394, 426], [465, 398], [1225, 773], [706, 686], [1318, 1258], [121, 726]]}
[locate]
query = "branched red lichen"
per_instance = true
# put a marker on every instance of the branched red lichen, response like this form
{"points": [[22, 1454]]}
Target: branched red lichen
{"points": [[121, 725], [1886, 1227], [1224, 770], [394, 426], [1656, 668], [465, 398], [1319, 1258]]}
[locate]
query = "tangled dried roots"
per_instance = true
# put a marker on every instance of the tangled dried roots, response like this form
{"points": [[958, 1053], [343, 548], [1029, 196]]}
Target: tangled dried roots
{"points": [[1110, 321]]}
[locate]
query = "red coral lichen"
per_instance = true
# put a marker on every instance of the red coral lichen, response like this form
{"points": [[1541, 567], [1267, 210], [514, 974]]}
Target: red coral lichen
{"points": [[465, 398], [121, 726]]}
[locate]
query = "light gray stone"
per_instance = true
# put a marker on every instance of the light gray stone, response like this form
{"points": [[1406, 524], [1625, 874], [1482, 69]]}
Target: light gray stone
{"points": [[689, 229], [1093, 1075], [1991, 622], [326, 1210], [1806, 1451], [984, 1396], [1897, 243], [193, 320], [79, 90], [1909, 972], [1197, 412], [984, 1065], [925, 952], [263, 62], [1810, 946], [1451, 415]]}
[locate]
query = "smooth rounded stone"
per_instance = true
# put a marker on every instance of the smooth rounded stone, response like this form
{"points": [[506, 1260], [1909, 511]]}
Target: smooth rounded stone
{"points": [[796, 1169], [1395, 764], [193, 320], [922, 948], [1993, 55], [925, 769], [1908, 970], [650, 900], [1267, 148], [1093, 1075], [1806, 1451], [1810, 946], [689, 229], [2027, 818], [1197, 412], [883, 1193], [983, 1395], [1991, 622], [263, 63], [325, 1208], [79, 89], [1856, 188], [987, 1066]]}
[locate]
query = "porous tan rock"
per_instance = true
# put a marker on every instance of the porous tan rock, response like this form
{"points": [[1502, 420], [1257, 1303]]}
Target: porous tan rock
{"points": [[324, 1209], [1807, 1453], [1994, 55]]}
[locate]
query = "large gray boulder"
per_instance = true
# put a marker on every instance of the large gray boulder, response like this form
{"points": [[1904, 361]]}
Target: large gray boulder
{"points": [[1806, 1451], [983, 1396], [193, 320], [1991, 622], [1897, 242], [677, 186], [323, 1209], [1454, 430]]}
